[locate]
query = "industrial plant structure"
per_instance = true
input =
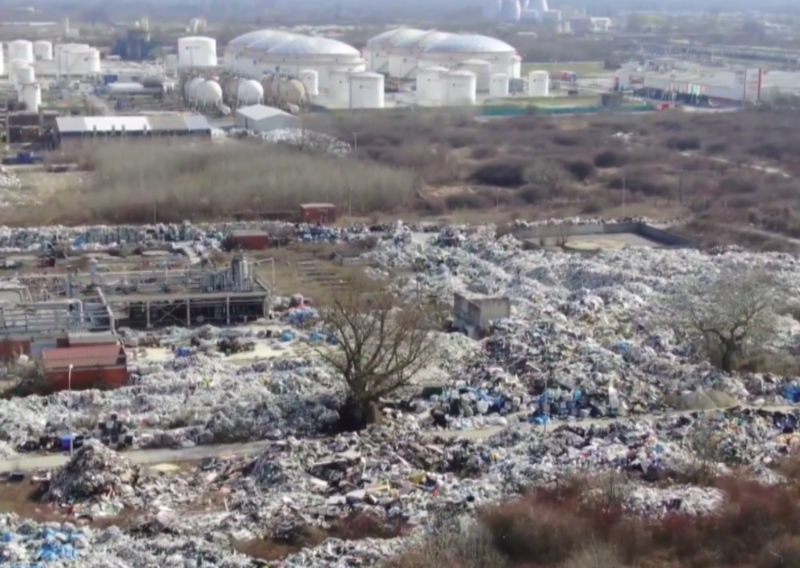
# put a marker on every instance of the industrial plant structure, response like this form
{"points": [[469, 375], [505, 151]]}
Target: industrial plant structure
{"points": [[400, 53]]}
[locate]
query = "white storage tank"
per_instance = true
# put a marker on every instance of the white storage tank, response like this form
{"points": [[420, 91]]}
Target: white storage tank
{"points": [[197, 51], [367, 90], [93, 62], [13, 66], [250, 92], [21, 49], [310, 79], [2, 62], [460, 88], [429, 84], [339, 85], [482, 70], [24, 74], [516, 67], [539, 84], [498, 85], [209, 94], [60, 55], [43, 50], [190, 89], [31, 95]]}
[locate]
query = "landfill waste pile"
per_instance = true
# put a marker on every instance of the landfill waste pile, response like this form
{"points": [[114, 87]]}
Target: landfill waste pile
{"points": [[93, 472], [303, 139]]}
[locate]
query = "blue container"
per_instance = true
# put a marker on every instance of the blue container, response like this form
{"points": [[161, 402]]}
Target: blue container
{"points": [[110, 78], [65, 442]]}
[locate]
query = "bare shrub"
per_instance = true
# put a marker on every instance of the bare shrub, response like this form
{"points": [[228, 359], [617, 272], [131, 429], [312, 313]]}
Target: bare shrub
{"points": [[484, 152], [143, 181], [685, 143], [580, 169], [609, 159], [466, 200], [502, 172]]}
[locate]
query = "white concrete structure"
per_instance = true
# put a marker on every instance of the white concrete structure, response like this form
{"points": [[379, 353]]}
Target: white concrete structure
{"points": [[31, 95], [406, 54], [498, 85], [197, 51], [379, 48], [310, 79], [260, 118], [455, 49], [286, 54], [367, 90], [430, 85], [338, 91], [482, 70], [460, 88], [208, 94], [43, 50], [539, 84], [249, 92], [22, 50]]}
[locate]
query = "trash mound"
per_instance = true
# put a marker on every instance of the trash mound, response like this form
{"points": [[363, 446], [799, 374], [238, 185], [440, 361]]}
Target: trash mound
{"points": [[94, 471]]}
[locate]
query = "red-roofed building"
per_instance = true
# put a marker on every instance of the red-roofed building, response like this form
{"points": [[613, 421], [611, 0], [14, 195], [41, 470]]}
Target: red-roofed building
{"points": [[103, 366]]}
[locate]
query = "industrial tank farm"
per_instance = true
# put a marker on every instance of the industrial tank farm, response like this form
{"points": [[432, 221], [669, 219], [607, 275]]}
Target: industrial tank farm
{"points": [[403, 51], [273, 51]]}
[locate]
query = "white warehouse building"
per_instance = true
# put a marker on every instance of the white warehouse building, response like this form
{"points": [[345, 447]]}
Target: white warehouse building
{"points": [[260, 118], [401, 52], [268, 52]]}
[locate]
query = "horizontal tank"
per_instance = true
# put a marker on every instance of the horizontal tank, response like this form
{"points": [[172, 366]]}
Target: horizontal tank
{"points": [[310, 79], [124, 88], [209, 94], [197, 51], [250, 92], [367, 90], [22, 50], [43, 50]]}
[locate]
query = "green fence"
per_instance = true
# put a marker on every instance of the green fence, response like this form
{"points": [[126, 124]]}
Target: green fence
{"points": [[554, 111]]}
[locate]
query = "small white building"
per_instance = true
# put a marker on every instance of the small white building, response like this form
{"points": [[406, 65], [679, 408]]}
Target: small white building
{"points": [[261, 118]]}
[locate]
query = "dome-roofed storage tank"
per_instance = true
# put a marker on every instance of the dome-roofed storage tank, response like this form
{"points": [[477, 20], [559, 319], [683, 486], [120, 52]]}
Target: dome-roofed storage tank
{"points": [[250, 92], [31, 95], [498, 85], [457, 48], [310, 80], [339, 86], [482, 70], [539, 84], [404, 58], [197, 51], [43, 50], [429, 84], [22, 50], [378, 48], [460, 88], [367, 90], [209, 94]]}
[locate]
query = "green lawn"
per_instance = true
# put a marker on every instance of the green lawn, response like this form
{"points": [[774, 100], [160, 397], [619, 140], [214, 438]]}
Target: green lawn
{"points": [[579, 67]]}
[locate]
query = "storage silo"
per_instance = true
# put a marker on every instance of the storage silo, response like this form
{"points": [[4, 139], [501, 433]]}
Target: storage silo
{"points": [[197, 51], [21, 49], [339, 85], [43, 50], [208, 95], [482, 70], [367, 90], [250, 92], [539, 84], [31, 95], [498, 85], [429, 84], [310, 79], [460, 88]]}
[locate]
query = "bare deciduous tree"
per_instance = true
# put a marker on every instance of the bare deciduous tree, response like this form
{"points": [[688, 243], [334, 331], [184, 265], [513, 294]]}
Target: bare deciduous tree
{"points": [[732, 313], [382, 343]]}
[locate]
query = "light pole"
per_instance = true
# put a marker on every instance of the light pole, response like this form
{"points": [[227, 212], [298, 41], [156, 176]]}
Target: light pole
{"points": [[71, 433]]}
